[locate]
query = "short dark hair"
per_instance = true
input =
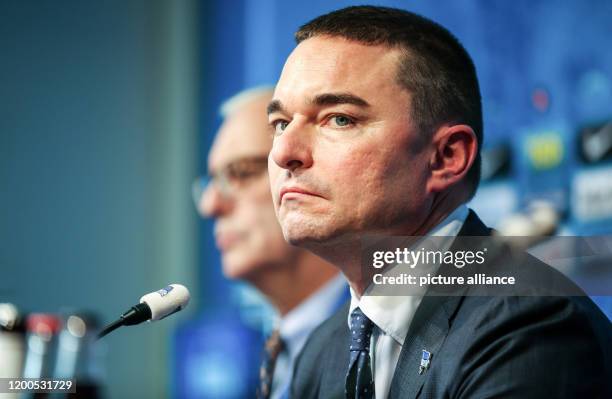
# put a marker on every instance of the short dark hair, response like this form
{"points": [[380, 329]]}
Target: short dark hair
{"points": [[435, 68]]}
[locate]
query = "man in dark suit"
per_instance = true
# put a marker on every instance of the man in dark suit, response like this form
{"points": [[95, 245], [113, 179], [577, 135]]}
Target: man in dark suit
{"points": [[378, 124]]}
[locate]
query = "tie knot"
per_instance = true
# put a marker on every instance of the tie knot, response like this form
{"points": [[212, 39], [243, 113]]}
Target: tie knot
{"points": [[274, 344], [361, 330]]}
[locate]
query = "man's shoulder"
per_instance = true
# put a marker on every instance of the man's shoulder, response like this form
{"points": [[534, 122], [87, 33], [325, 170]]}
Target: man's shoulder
{"points": [[481, 311], [323, 351], [544, 301], [332, 328], [558, 346]]}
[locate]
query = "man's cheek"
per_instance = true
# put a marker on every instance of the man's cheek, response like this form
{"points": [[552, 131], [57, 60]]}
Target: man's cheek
{"points": [[273, 170], [275, 193]]}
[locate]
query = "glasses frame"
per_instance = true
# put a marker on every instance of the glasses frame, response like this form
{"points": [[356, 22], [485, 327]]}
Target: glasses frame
{"points": [[231, 178]]}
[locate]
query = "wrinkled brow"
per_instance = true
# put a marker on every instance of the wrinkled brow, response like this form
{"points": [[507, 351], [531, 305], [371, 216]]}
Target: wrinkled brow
{"points": [[339, 98], [323, 100]]}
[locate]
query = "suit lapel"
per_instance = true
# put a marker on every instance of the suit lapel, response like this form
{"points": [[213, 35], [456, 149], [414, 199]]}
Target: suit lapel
{"points": [[430, 326], [427, 332], [335, 362]]}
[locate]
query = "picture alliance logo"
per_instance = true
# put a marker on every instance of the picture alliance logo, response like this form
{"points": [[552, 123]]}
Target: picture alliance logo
{"points": [[411, 258]]}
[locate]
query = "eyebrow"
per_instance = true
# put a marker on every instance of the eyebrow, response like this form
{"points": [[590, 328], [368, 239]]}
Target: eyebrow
{"points": [[339, 98], [275, 106], [322, 100]]}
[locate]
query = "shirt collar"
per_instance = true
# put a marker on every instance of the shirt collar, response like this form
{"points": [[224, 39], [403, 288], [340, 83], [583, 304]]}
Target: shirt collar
{"points": [[295, 326], [393, 314], [451, 225]]}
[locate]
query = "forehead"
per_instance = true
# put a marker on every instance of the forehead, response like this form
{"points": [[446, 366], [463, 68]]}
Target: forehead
{"points": [[334, 64], [244, 133]]}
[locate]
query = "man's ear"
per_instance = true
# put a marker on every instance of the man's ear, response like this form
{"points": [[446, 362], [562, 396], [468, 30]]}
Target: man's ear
{"points": [[454, 149]]}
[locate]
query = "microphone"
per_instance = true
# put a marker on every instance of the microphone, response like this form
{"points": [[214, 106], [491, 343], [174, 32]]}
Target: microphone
{"points": [[153, 306]]}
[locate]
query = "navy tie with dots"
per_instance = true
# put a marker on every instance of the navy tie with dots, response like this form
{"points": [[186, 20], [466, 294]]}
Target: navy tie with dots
{"points": [[359, 383]]}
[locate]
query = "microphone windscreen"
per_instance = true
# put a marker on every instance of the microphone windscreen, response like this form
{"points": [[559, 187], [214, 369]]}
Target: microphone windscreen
{"points": [[166, 301]]}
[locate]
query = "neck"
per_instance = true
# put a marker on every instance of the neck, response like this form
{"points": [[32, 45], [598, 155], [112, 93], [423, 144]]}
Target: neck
{"points": [[287, 285], [440, 208], [347, 256]]}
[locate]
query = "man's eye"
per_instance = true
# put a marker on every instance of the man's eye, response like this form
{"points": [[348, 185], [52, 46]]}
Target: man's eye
{"points": [[240, 174], [341, 120], [279, 126]]}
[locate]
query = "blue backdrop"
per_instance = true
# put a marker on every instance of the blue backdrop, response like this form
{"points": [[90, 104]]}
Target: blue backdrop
{"points": [[545, 71]]}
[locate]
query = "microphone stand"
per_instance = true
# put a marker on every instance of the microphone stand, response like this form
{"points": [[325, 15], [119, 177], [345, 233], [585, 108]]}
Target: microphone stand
{"points": [[136, 315]]}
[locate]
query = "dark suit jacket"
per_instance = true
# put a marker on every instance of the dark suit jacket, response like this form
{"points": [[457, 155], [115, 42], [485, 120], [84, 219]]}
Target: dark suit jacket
{"points": [[482, 346]]}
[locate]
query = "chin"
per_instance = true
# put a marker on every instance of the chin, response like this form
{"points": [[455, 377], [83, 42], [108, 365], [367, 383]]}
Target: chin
{"points": [[298, 227], [234, 273], [297, 241], [307, 236], [235, 267], [250, 266]]}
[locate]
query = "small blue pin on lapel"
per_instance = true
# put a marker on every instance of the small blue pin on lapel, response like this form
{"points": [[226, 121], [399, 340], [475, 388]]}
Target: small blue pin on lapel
{"points": [[425, 359]]}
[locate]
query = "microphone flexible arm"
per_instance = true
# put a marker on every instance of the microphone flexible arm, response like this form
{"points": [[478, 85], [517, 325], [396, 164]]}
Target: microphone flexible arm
{"points": [[136, 315]]}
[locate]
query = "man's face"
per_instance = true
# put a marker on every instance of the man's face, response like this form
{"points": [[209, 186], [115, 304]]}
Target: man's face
{"points": [[246, 229], [346, 158]]}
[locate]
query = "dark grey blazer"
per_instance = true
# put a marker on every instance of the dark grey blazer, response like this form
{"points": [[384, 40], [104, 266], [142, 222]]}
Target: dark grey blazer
{"points": [[482, 347]]}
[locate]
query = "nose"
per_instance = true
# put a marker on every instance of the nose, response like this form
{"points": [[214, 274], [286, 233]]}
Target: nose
{"points": [[213, 203], [292, 150]]}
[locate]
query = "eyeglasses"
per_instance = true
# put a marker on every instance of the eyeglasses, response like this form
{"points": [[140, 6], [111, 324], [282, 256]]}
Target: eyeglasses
{"points": [[232, 178]]}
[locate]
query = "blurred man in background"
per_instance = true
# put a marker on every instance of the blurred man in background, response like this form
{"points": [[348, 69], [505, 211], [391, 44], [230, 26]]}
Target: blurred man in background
{"points": [[303, 288]]}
